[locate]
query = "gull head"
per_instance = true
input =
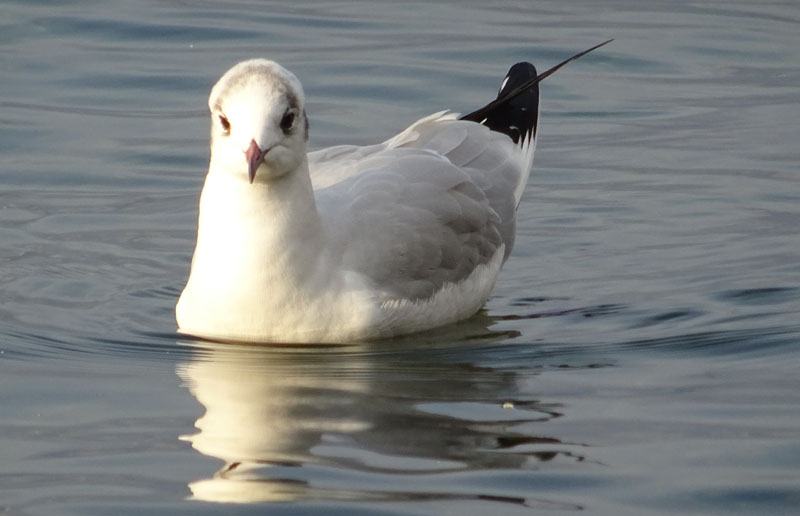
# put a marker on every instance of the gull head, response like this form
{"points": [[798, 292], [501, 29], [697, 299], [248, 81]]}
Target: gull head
{"points": [[259, 128]]}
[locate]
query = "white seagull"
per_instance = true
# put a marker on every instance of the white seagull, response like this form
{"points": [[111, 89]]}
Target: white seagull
{"points": [[351, 243]]}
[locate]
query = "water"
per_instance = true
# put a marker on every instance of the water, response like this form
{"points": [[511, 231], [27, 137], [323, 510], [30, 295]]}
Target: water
{"points": [[640, 352]]}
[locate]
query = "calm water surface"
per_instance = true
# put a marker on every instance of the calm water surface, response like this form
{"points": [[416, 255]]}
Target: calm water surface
{"points": [[640, 353]]}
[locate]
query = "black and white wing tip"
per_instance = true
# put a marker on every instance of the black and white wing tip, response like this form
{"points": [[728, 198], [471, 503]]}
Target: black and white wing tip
{"points": [[517, 118], [515, 111]]}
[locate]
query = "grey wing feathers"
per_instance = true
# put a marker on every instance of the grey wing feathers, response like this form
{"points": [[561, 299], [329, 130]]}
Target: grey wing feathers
{"points": [[492, 161], [423, 209]]}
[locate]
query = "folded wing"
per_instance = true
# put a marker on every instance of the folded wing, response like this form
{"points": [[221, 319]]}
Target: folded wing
{"points": [[423, 209]]}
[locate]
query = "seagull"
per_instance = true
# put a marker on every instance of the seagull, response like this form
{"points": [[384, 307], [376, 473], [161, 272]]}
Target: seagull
{"points": [[352, 242]]}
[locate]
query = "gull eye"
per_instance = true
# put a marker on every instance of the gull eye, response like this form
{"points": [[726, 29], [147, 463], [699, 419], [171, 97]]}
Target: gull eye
{"points": [[288, 120], [225, 124]]}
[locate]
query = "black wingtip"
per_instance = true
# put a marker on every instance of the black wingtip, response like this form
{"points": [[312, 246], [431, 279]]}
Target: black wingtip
{"points": [[518, 117], [509, 93]]}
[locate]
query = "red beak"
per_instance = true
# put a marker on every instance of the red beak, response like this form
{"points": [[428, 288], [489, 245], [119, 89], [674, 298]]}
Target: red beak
{"points": [[255, 157]]}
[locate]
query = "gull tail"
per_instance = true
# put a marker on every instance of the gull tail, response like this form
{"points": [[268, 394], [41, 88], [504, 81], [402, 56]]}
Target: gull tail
{"points": [[515, 111]]}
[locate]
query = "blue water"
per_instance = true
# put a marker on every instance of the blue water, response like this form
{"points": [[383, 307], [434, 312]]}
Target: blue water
{"points": [[640, 354]]}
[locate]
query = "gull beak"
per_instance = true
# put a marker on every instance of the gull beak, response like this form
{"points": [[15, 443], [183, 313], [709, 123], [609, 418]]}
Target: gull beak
{"points": [[255, 157]]}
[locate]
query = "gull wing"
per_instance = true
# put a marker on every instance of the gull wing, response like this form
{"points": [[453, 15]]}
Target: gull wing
{"points": [[422, 209]]}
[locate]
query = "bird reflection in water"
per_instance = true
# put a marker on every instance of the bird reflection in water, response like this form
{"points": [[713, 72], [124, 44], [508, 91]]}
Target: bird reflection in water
{"points": [[363, 422]]}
